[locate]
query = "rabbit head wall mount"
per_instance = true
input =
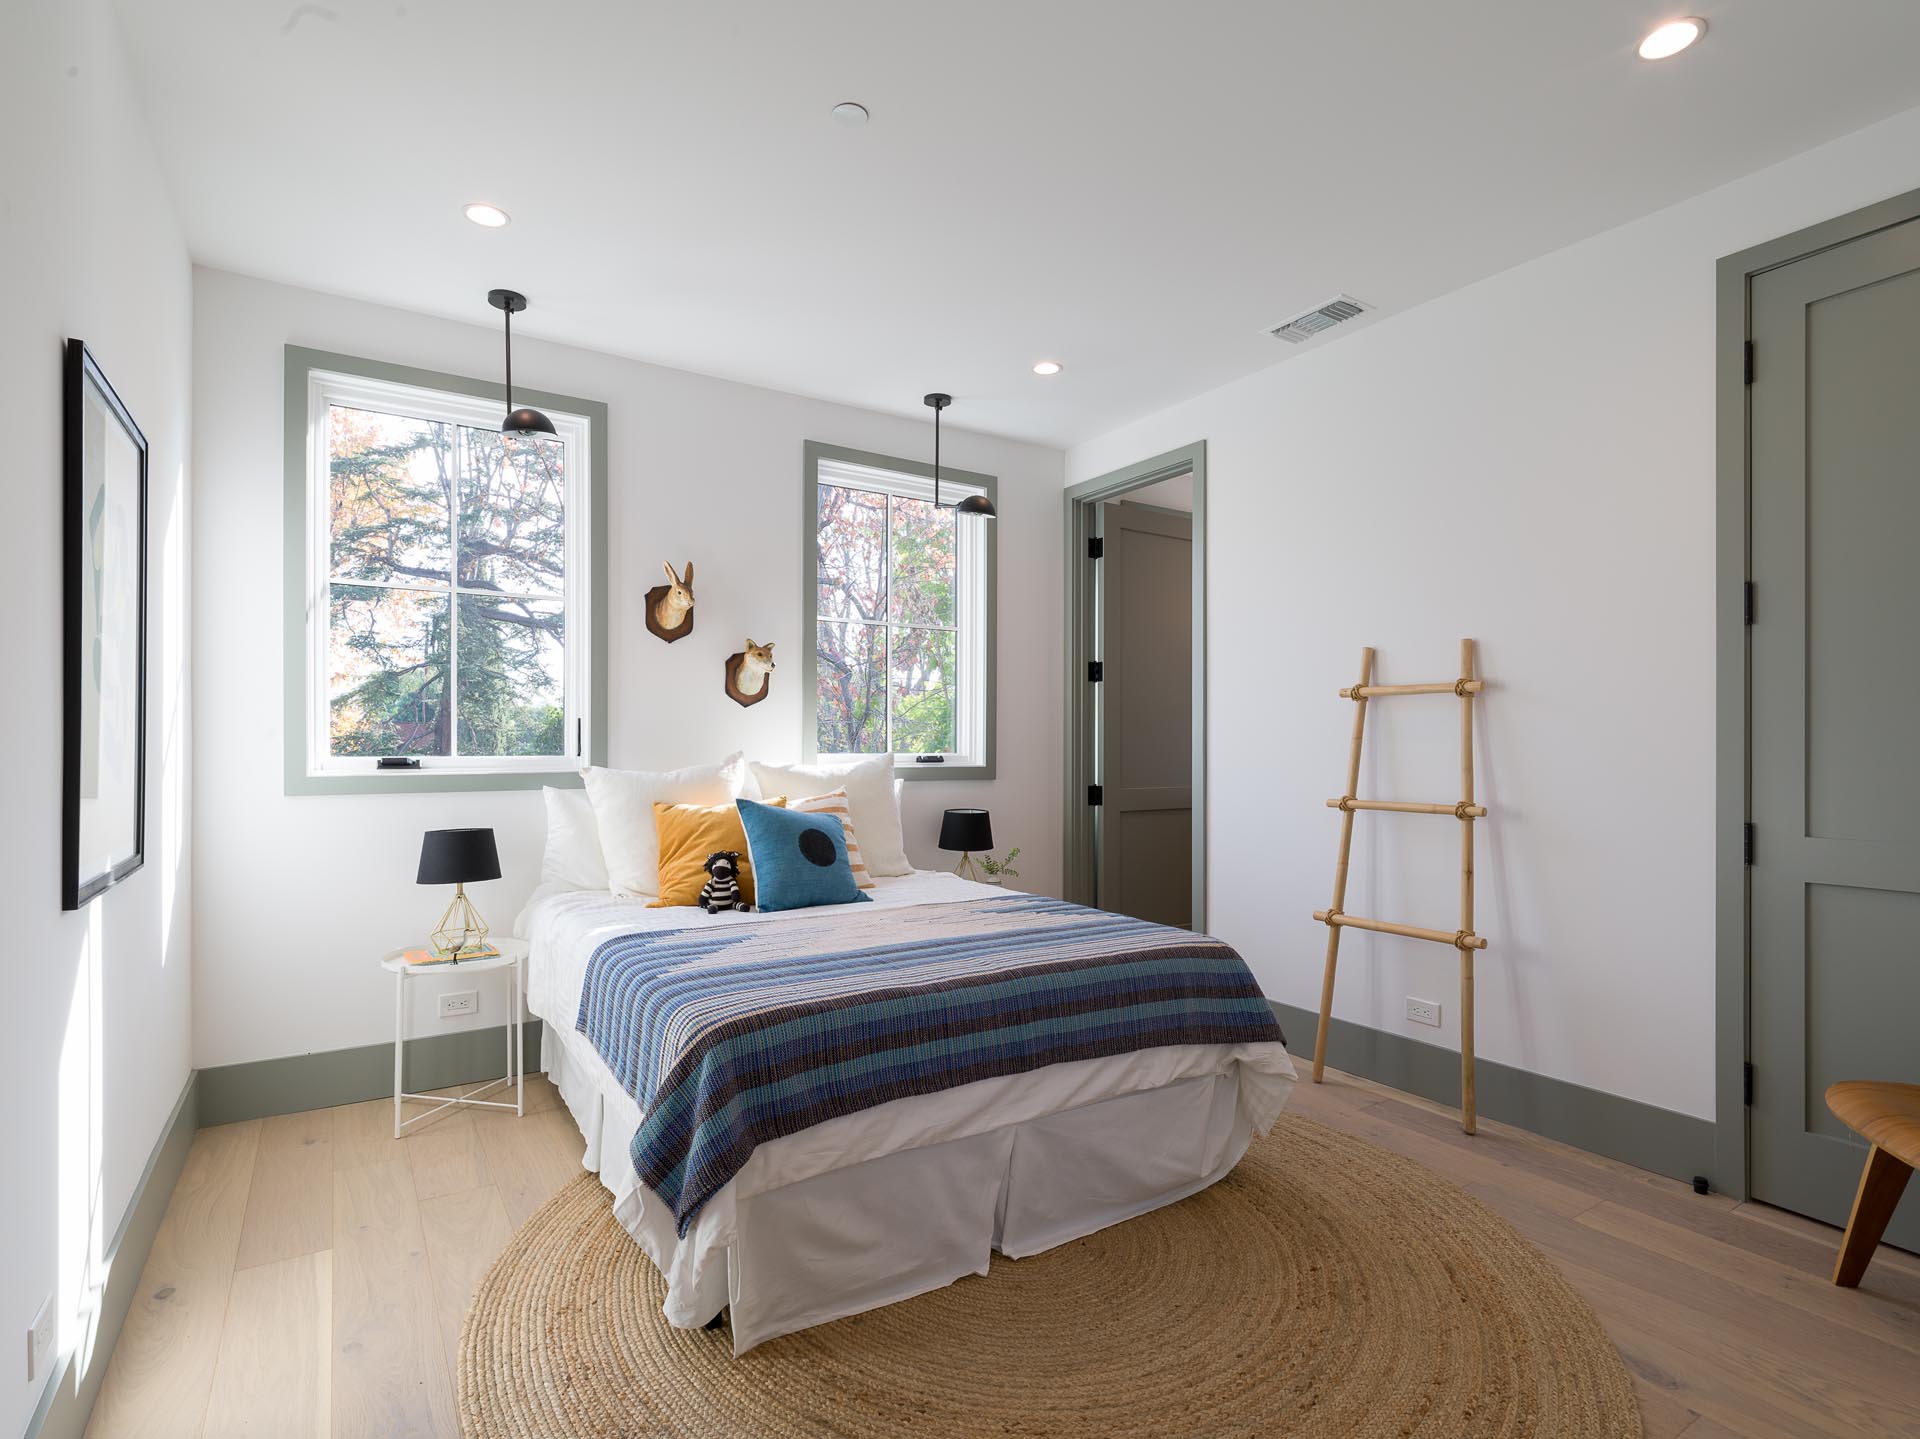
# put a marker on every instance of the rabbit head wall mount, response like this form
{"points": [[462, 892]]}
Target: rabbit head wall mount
{"points": [[670, 606]]}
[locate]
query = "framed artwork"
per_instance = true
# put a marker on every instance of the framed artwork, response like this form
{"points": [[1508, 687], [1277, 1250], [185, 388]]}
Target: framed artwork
{"points": [[103, 797]]}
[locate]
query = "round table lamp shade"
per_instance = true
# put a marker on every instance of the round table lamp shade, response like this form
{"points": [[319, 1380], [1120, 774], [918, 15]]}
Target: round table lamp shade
{"points": [[970, 830], [457, 856]]}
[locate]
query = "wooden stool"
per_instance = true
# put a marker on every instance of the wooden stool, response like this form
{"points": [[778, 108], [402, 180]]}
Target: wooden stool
{"points": [[1887, 1116]]}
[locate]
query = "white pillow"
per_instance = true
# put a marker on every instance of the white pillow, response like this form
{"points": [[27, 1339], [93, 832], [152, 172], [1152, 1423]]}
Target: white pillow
{"points": [[872, 796], [623, 801], [572, 859]]}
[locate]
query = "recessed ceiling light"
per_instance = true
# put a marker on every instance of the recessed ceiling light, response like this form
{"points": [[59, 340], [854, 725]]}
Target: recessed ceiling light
{"points": [[1047, 367], [848, 112], [492, 216], [1671, 38]]}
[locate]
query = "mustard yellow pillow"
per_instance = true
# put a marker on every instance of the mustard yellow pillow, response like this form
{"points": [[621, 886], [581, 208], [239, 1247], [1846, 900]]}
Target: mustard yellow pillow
{"points": [[688, 833]]}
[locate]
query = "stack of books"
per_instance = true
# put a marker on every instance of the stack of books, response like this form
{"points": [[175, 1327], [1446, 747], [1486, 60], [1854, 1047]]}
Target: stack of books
{"points": [[428, 956]]}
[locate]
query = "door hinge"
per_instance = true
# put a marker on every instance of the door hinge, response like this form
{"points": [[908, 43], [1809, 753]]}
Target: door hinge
{"points": [[1746, 842], [1746, 1083], [1749, 601], [1093, 794], [1096, 672], [1096, 548], [1749, 362], [579, 738]]}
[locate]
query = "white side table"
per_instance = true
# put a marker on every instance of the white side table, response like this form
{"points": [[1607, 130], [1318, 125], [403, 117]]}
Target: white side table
{"points": [[512, 956]]}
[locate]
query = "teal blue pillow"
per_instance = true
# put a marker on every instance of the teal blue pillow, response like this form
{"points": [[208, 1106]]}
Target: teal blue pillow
{"points": [[799, 860]]}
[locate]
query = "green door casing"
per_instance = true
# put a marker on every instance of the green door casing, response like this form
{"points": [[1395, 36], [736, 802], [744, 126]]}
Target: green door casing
{"points": [[1834, 917]]}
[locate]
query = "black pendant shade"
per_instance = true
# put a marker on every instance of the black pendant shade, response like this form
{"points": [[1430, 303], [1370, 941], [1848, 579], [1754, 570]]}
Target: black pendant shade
{"points": [[973, 504], [969, 830], [524, 423], [457, 856]]}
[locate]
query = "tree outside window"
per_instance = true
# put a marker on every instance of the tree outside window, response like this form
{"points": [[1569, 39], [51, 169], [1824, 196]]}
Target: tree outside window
{"points": [[887, 613], [446, 595]]}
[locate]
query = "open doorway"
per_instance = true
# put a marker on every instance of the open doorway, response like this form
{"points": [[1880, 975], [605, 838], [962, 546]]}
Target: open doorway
{"points": [[1136, 690]]}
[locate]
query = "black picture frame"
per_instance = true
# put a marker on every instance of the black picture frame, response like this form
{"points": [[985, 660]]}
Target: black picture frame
{"points": [[89, 553]]}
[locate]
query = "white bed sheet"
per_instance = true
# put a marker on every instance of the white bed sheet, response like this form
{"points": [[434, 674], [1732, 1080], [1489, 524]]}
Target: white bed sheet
{"points": [[873, 1207]]}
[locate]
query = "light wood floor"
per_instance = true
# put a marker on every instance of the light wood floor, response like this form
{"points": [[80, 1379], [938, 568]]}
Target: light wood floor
{"points": [[303, 1284]]}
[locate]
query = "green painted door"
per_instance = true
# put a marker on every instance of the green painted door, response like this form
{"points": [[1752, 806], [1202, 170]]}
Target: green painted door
{"points": [[1835, 708]]}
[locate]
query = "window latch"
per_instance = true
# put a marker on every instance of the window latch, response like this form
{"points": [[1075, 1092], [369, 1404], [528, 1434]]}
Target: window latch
{"points": [[397, 761], [929, 759]]}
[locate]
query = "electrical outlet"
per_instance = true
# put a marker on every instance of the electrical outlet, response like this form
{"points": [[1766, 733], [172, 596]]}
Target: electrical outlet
{"points": [[466, 1001], [1423, 1011], [40, 1341]]}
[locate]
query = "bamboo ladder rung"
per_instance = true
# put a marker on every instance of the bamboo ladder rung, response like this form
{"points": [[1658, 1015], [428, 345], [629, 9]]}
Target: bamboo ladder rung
{"points": [[1458, 938], [1462, 810], [1461, 687]]}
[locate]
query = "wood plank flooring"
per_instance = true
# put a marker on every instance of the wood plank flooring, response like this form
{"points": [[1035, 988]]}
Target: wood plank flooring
{"points": [[311, 1274]]}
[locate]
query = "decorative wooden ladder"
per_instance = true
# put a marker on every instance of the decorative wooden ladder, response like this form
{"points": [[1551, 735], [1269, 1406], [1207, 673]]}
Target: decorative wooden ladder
{"points": [[1466, 811]]}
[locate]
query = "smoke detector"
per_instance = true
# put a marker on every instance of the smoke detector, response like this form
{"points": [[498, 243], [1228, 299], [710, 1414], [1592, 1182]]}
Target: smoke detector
{"points": [[1308, 323]]}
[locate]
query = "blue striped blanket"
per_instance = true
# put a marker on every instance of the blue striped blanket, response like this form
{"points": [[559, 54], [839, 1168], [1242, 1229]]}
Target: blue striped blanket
{"points": [[730, 1035]]}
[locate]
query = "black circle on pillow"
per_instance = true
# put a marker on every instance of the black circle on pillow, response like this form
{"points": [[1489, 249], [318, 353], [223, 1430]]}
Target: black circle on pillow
{"points": [[816, 847]]}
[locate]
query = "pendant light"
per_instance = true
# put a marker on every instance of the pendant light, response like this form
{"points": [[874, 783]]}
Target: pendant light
{"points": [[973, 504], [524, 425]]}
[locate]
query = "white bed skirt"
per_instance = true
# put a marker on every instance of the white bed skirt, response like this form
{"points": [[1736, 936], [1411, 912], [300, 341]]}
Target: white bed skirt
{"points": [[809, 1232]]}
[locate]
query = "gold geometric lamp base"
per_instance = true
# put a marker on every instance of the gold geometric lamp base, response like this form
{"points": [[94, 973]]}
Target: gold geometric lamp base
{"points": [[461, 931]]}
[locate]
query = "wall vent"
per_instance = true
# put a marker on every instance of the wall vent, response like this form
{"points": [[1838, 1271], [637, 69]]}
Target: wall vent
{"points": [[1308, 323]]}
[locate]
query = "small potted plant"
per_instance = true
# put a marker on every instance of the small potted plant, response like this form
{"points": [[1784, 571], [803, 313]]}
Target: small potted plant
{"points": [[999, 871]]}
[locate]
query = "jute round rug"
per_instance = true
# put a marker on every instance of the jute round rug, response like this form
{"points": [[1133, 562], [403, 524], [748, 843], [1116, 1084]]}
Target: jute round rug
{"points": [[1325, 1287]]}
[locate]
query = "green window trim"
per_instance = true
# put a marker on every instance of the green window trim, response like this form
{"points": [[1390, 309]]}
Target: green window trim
{"points": [[300, 363], [815, 452]]}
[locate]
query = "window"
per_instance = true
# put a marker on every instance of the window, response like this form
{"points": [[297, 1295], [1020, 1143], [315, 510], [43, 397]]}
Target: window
{"points": [[899, 605], [446, 602]]}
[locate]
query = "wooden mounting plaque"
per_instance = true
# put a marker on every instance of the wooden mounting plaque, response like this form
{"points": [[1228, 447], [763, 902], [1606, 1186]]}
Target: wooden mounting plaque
{"points": [[733, 690], [654, 596]]}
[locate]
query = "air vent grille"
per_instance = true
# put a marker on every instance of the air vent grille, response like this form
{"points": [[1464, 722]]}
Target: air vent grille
{"points": [[1305, 326]]}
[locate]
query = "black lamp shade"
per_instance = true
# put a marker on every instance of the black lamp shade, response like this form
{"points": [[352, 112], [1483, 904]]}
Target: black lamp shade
{"points": [[970, 830], [457, 856], [525, 422], [976, 505]]}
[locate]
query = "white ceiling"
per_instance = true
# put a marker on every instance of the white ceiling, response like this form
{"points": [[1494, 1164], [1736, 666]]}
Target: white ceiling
{"points": [[1135, 189]]}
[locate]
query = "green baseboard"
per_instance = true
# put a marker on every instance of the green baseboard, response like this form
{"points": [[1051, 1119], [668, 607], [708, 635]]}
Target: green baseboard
{"points": [[1644, 1135], [67, 1403], [262, 1087]]}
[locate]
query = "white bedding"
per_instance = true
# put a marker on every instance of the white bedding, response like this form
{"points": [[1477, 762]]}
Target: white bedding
{"points": [[1180, 1115]]}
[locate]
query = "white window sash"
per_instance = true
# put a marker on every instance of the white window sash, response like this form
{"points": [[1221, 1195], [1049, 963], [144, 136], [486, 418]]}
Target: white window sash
{"points": [[970, 610], [327, 388]]}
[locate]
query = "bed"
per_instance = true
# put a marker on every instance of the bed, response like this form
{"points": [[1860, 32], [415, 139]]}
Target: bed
{"points": [[867, 1208]]}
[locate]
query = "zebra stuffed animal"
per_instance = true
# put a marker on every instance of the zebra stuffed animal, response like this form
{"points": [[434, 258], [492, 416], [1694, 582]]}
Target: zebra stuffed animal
{"points": [[721, 892]]}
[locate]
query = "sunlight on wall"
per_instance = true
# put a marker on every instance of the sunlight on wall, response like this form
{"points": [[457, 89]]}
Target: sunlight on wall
{"points": [[171, 851], [81, 1254]]}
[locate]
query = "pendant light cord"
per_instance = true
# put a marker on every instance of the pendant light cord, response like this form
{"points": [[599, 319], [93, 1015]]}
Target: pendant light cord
{"points": [[936, 456], [507, 314]]}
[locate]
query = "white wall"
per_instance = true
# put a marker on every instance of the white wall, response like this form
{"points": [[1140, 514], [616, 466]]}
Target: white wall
{"points": [[98, 1015], [1529, 461], [297, 897]]}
